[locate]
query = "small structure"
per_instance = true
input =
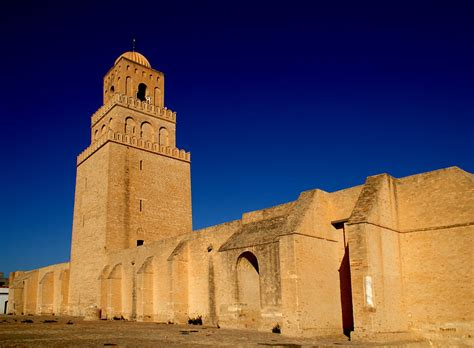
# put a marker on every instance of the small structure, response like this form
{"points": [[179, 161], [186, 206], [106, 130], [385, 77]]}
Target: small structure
{"points": [[3, 293]]}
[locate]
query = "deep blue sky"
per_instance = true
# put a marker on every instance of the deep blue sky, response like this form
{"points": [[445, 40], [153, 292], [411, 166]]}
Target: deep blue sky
{"points": [[272, 99]]}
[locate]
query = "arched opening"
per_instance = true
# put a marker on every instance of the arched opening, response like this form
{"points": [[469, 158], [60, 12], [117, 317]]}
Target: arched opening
{"points": [[141, 94], [128, 86], [129, 126], [103, 130], [47, 293], [145, 291], [163, 137], [115, 293], [146, 131], [248, 279], [112, 89]]}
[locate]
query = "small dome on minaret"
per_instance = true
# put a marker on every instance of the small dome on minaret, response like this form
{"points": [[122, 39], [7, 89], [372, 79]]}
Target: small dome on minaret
{"points": [[135, 57]]}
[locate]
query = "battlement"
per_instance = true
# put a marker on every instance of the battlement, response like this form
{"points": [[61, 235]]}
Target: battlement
{"points": [[135, 142], [135, 104]]}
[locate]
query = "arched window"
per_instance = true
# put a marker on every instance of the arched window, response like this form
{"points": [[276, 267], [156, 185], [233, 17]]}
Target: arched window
{"points": [[129, 126], [164, 138], [141, 94], [248, 278], [146, 131]]}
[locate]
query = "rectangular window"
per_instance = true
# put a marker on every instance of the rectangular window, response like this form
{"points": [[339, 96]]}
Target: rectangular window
{"points": [[141, 205], [141, 164], [140, 242]]}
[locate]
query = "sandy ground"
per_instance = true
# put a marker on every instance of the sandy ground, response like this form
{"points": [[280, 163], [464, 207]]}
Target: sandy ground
{"points": [[49, 331]]}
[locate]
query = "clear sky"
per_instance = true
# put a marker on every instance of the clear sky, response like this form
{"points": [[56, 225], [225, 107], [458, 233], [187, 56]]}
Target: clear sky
{"points": [[273, 98]]}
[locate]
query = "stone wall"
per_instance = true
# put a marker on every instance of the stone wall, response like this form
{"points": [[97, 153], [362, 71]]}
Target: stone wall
{"points": [[410, 240], [41, 291], [377, 259], [88, 245], [437, 215]]}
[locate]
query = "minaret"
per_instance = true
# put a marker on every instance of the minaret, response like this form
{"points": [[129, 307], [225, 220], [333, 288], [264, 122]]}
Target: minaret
{"points": [[133, 185]]}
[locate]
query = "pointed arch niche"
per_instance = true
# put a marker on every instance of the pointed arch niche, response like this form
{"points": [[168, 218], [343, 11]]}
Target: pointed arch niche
{"points": [[129, 126], [145, 277], [114, 309], [147, 131], [128, 86], [47, 293]]}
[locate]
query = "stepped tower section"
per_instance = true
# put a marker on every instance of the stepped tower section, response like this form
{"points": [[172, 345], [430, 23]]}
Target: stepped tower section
{"points": [[133, 185]]}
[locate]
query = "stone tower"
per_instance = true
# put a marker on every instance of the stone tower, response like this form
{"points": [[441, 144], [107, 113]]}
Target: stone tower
{"points": [[133, 185]]}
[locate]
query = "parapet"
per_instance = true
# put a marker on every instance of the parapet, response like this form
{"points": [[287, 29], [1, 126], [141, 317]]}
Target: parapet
{"points": [[135, 104], [135, 142]]}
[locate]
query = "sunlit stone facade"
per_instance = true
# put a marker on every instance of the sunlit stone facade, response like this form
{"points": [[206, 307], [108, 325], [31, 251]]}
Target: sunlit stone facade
{"points": [[389, 257]]}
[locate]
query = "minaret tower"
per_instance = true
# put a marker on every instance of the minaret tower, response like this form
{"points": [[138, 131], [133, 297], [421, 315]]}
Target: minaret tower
{"points": [[133, 185]]}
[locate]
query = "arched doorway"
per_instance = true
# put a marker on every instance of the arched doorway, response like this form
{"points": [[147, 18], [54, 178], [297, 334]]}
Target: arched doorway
{"points": [[248, 280]]}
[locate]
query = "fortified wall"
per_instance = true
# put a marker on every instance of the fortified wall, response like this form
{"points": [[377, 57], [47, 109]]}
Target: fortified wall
{"points": [[389, 257]]}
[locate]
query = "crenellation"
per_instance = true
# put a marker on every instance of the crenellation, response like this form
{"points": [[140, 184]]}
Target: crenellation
{"points": [[134, 104], [138, 143]]}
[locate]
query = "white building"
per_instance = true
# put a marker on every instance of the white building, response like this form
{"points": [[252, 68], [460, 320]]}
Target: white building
{"points": [[3, 300]]}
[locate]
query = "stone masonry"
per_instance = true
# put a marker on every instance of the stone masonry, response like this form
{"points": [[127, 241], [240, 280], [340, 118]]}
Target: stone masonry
{"points": [[389, 257]]}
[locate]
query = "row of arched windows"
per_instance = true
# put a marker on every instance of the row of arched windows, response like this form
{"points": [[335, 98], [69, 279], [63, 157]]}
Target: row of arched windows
{"points": [[140, 91], [147, 132], [144, 130]]}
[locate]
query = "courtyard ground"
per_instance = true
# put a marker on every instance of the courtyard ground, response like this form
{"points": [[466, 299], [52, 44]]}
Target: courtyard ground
{"points": [[53, 331]]}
